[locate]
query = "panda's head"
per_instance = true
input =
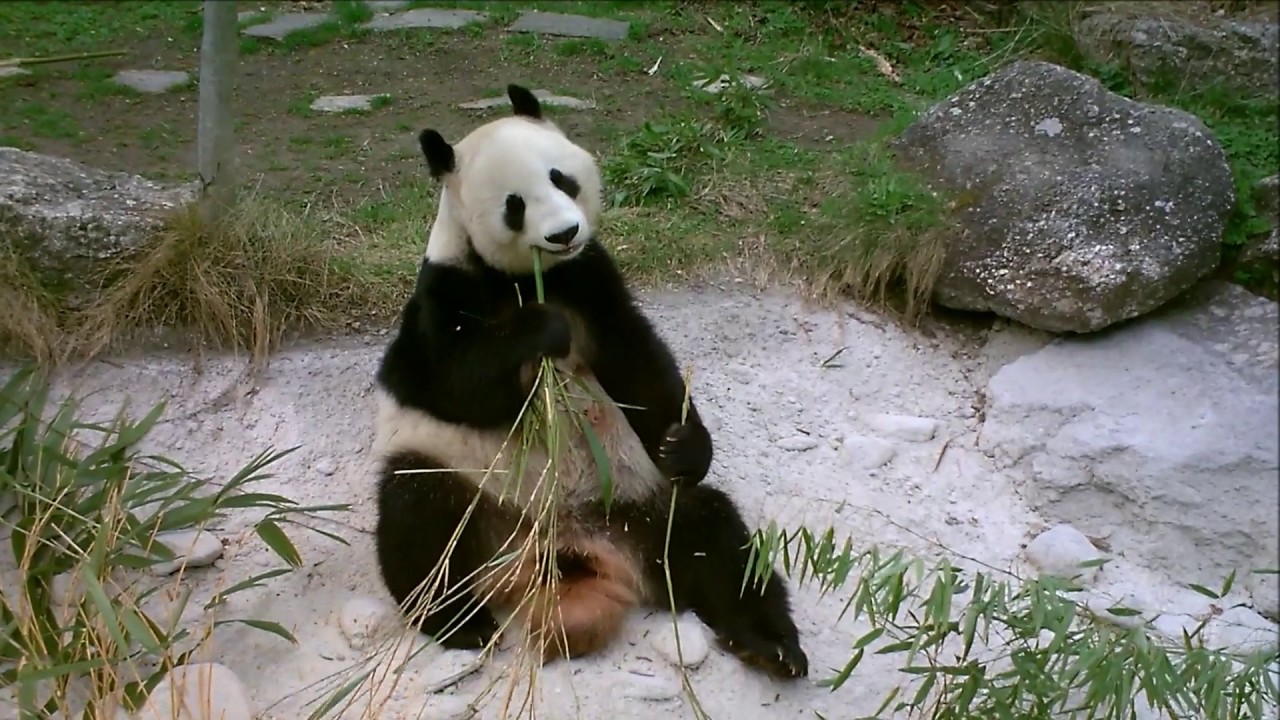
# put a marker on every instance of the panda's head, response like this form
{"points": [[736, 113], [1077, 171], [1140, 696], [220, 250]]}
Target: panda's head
{"points": [[511, 185]]}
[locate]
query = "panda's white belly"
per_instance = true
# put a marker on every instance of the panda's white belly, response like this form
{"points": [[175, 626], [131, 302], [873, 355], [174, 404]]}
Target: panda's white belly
{"points": [[497, 462]]}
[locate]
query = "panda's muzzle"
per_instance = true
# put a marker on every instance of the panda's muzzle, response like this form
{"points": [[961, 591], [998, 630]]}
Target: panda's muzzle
{"points": [[564, 237]]}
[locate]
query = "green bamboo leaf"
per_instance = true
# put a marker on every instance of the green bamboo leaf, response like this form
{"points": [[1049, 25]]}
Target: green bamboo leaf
{"points": [[243, 585], [603, 466], [265, 625], [279, 542], [339, 695], [104, 607]]}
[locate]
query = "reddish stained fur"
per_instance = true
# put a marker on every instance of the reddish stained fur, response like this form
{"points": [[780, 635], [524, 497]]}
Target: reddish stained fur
{"points": [[581, 614]]}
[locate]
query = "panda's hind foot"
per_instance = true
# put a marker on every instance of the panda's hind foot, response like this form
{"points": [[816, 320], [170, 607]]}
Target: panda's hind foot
{"points": [[782, 659]]}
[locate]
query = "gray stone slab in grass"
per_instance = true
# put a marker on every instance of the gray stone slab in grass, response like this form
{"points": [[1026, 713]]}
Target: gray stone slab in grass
{"points": [[282, 25], [343, 103], [546, 97], [386, 6], [426, 18], [547, 23], [13, 71], [152, 82]]}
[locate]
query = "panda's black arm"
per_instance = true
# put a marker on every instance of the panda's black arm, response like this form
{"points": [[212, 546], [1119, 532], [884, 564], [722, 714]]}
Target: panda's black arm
{"points": [[453, 359], [632, 362]]}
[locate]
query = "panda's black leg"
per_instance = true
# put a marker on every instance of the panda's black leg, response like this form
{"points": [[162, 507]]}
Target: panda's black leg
{"points": [[418, 515], [710, 555]]}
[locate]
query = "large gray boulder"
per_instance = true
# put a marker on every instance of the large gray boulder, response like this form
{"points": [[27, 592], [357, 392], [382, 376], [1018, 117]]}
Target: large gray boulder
{"points": [[1162, 435], [1178, 45], [62, 215], [1078, 207]]}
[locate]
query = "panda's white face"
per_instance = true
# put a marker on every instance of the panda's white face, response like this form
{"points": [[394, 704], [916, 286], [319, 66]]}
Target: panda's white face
{"points": [[516, 183]]}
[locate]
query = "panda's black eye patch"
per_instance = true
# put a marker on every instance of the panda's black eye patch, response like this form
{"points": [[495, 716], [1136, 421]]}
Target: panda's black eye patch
{"points": [[565, 184], [513, 215]]}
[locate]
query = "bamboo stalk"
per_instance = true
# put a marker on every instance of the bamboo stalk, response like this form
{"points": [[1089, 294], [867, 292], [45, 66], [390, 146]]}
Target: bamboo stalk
{"points": [[19, 62]]}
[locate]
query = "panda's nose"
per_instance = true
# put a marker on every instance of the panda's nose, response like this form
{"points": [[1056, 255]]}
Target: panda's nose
{"points": [[564, 237]]}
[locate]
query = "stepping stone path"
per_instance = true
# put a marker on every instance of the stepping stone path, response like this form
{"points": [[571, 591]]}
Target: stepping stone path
{"points": [[151, 82], [546, 23], [343, 103], [282, 25], [426, 18], [546, 97], [717, 86]]}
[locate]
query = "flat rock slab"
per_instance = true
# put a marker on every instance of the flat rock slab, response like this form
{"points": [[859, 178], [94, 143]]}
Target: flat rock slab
{"points": [[13, 71], [543, 95], [343, 103], [546, 23], [426, 18], [1161, 436], [282, 25], [152, 82], [386, 6]]}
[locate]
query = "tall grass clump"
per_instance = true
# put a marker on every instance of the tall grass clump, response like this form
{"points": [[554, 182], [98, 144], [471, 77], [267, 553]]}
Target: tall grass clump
{"points": [[243, 284], [85, 631], [990, 645], [878, 235]]}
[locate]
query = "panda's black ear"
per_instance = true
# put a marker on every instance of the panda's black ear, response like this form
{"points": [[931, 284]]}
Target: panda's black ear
{"points": [[524, 102], [438, 152]]}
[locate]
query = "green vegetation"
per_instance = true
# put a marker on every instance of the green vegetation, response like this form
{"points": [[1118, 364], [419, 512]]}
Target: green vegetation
{"points": [[84, 627]]}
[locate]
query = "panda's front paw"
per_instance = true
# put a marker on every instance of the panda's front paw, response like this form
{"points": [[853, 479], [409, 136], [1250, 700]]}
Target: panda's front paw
{"points": [[547, 330], [684, 455]]}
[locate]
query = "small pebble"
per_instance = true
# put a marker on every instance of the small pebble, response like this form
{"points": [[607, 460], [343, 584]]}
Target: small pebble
{"points": [[363, 621], [203, 691], [326, 466], [194, 549], [1060, 550], [867, 453], [798, 443], [693, 642], [906, 428]]}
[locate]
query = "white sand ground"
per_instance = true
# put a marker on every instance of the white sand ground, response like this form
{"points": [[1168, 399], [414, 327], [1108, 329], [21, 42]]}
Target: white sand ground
{"points": [[787, 435]]}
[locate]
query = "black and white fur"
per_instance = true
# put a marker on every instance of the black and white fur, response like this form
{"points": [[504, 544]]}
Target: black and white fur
{"points": [[452, 384]]}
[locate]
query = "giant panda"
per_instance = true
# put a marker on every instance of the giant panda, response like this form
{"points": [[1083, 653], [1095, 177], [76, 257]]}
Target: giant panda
{"points": [[455, 377]]}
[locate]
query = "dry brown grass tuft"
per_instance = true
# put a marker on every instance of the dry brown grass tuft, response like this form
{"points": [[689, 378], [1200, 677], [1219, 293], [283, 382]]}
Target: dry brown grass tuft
{"points": [[264, 273], [29, 320], [244, 284]]}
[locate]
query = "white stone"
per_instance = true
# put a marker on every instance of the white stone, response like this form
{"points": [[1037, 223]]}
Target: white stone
{"points": [[1172, 625], [798, 443], [906, 428], [717, 86], [326, 466], [1263, 588], [1241, 630], [867, 453], [193, 548], [198, 691], [1060, 550], [343, 103], [152, 82], [693, 642], [1100, 605], [364, 620], [13, 71]]}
